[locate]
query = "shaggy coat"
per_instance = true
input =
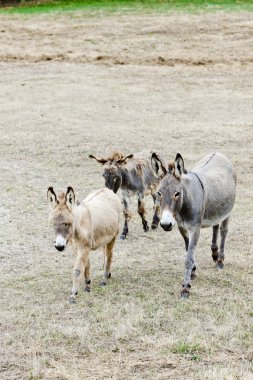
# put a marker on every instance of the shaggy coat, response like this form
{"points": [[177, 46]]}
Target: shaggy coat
{"points": [[134, 174], [89, 225]]}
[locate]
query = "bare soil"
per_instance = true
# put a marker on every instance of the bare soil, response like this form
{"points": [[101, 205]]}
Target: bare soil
{"points": [[72, 84]]}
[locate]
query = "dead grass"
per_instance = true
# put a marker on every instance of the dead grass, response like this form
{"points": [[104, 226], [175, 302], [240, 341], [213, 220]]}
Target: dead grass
{"points": [[53, 114]]}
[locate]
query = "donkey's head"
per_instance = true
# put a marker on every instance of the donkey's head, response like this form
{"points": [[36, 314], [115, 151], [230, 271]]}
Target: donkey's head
{"points": [[169, 191], [112, 169], [61, 216]]}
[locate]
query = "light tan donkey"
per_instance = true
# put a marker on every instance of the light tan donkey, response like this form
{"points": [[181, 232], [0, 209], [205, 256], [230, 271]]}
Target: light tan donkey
{"points": [[92, 224]]}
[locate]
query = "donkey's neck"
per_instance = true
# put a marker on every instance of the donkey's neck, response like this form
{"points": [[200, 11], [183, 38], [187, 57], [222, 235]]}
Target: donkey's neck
{"points": [[125, 178], [82, 227], [193, 199], [185, 210]]}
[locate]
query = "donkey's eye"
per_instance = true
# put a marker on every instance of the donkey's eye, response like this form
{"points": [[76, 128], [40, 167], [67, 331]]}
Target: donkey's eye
{"points": [[159, 194], [66, 225], [177, 194]]}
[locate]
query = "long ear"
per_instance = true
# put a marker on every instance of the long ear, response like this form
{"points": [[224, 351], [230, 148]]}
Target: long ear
{"points": [[179, 166], [100, 160], [123, 160], [70, 197], [51, 197], [157, 165]]}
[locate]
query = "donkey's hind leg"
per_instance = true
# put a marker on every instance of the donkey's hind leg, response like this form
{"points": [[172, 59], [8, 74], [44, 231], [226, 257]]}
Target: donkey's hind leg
{"points": [[223, 233], [108, 251], [87, 277], [126, 212], [214, 246]]}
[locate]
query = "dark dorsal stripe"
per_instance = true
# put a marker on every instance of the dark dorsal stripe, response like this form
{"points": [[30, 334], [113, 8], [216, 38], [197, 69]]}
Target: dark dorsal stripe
{"points": [[201, 183]]}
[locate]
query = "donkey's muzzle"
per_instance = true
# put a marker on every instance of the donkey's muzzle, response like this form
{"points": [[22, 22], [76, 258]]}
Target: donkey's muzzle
{"points": [[60, 247], [166, 227], [60, 242]]}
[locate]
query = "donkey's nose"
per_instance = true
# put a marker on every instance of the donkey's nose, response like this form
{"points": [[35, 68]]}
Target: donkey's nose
{"points": [[60, 242], [166, 226], [60, 247]]}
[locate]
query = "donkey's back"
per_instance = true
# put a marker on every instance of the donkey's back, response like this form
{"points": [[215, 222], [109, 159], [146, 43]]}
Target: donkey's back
{"points": [[218, 178], [104, 209]]}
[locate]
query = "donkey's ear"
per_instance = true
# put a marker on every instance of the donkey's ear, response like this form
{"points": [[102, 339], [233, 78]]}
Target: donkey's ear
{"points": [[179, 166], [70, 197], [51, 197], [158, 165], [123, 160], [98, 159]]}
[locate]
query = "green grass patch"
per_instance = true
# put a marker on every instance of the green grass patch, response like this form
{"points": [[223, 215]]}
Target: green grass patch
{"points": [[186, 348], [112, 6]]}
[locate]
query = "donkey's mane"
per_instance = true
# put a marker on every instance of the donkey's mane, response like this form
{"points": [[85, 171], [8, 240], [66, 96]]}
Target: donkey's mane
{"points": [[115, 156]]}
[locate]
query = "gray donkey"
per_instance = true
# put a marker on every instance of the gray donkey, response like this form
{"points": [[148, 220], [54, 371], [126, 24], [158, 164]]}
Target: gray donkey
{"points": [[203, 197]]}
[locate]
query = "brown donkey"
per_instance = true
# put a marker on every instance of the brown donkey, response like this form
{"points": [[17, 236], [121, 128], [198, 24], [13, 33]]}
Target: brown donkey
{"points": [[134, 174], [92, 224]]}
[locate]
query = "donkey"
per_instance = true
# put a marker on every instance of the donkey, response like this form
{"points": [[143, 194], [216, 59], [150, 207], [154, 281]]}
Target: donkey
{"points": [[88, 225], [134, 175], [203, 197]]}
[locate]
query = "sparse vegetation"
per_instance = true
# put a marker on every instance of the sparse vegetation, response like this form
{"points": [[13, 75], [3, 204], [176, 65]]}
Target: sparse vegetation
{"points": [[184, 87]]}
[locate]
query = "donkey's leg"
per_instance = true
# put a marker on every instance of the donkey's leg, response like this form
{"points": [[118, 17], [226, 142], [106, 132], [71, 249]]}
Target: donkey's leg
{"points": [[142, 211], [189, 262], [108, 256], [78, 273], [185, 235], [223, 233], [126, 212], [87, 277], [156, 217], [214, 246]]}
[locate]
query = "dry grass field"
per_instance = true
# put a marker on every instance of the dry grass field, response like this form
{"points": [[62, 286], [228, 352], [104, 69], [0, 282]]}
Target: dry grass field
{"points": [[72, 84]]}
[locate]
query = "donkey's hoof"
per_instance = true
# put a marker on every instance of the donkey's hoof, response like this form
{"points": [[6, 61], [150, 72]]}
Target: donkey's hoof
{"points": [[72, 299], [185, 293], [87, 289], [220, 265], [109, 275], [215, 254], [122, 237], [102, 283], [146, 228], [154, 226]]}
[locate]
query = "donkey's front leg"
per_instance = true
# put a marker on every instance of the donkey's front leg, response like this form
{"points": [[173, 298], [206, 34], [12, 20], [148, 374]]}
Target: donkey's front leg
{"points": [[184, 233], [156, 216], [126, 212], [142, 211], [82, 261], [189, 262]]}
